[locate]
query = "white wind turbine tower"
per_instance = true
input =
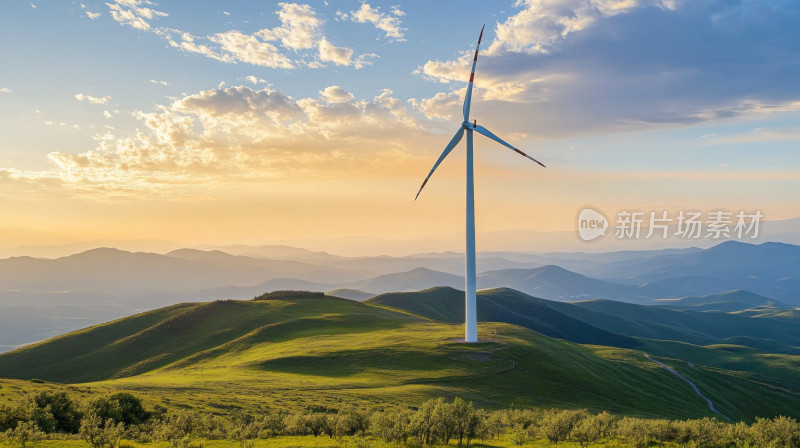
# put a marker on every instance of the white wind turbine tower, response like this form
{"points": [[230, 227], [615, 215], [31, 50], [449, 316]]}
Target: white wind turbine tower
{"points": [[471, 320]]}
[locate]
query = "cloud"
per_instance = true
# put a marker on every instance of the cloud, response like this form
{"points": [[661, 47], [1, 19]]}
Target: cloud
{"points": [[331, 53], [300, 32], [248, 48], [92, 15], [155, 81], [556, 68], [5, 90], [300, 28], [239, 133], [364, 60], [543, 23], [107, 114], [255, 80], [134, 13], [336, 94], [92, 99], [384, 22], [186, 42]]}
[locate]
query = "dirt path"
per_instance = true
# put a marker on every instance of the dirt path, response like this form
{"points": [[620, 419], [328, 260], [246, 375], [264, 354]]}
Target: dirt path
{"points": [[694, 386]]}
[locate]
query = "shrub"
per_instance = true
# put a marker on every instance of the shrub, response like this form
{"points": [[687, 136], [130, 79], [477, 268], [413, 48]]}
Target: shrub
{"points": [[24, 433], [99, 434], [121, 407]]}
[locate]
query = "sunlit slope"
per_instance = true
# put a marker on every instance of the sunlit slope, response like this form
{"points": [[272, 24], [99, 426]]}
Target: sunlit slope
{"points": [[327, 351], [147, 341]]}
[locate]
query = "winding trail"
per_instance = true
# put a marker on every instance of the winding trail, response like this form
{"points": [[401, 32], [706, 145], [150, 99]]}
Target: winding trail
{"points": [[694, 386]]}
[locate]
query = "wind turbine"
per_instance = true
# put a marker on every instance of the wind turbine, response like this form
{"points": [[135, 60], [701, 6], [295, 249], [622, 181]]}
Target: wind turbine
{"points": [[471, 319]]}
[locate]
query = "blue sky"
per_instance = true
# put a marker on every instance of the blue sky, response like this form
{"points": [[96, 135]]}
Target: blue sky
{"points": [[341, 107]]}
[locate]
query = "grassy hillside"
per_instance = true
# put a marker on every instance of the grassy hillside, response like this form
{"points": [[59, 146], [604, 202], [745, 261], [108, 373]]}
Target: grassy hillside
{"points": [[503, 305], [605, 322], [698, 327], [727, 302], [298, 352]]}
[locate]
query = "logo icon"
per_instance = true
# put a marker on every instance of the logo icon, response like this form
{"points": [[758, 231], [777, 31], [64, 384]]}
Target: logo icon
{"points": [[591, 224]]}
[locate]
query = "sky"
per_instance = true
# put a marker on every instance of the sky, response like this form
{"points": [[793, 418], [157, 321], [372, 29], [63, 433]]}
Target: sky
{"points": [[259, 122]]}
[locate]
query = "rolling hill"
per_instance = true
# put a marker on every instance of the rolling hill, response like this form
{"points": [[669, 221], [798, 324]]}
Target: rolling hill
{"points": [[503, 305], [602, 322], [352, 294], [292, 352], [727, 302]]}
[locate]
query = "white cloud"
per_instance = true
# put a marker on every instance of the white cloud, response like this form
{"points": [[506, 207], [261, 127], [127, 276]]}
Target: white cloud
{"points": [[134, 13], [226, 13], [331, 53], [248, 48], [5, 90], [365, 59], [107, 114], [300, 31], [155, 81], [242, 133], [543, 23], [255, 80], [336, 94], [92, 99], [384, 22], [300, 28], [187, 43], [92, 15]]}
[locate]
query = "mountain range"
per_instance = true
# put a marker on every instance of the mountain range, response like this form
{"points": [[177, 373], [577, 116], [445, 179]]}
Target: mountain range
{"points": [[102, 284]]}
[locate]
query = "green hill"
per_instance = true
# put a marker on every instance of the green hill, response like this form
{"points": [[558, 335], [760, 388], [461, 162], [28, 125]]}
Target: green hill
{"points": [[503, 305], [756, 347], [696, 326], [604, 322], [298, 352]]}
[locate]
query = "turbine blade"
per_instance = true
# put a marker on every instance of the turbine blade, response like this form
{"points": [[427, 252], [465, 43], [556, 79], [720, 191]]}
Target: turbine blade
{"points": [[468, 95], [482, 130], [453, 142]]}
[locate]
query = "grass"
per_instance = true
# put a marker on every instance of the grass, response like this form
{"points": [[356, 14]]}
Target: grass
{"points": [[292, 353]]}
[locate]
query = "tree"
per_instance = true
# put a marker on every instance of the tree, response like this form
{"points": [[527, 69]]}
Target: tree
{"points": [[635, 431], [24, 433], [557, 425], [709, 433], [65, 412], [421, 424], [587, 430], [391, 426], [121, 407], [101, 435], [443, 424], [780, 432], [462, 415]]}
